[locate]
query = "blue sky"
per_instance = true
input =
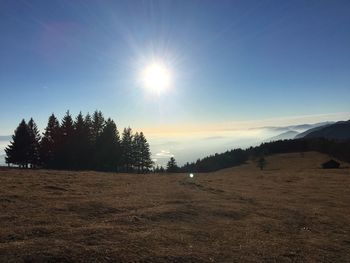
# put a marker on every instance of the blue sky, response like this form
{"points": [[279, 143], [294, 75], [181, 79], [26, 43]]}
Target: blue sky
{"points": [[231, 61]]}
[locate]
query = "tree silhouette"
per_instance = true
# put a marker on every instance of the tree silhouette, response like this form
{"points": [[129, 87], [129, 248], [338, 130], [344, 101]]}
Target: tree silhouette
{"points": [[136, 152], [88, 129], [18, 152], [217, 161], [172, 166], [66, 148], [145, 154], [261, 163], [98, 122], [127, 149], [85, 143], [108, 148], [92, 143], [141, 153], [89, 142], [34, 150], [50, 143], [79, 142]]}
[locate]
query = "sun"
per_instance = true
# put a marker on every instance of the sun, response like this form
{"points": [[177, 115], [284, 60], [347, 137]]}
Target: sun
{"points": [[156, 77]]}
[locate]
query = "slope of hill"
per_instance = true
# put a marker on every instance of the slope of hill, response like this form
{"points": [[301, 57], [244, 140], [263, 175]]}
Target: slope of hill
{"points": [[298, 128], [309, 126], [303, 134], [291, 212], [283, 136], [338, 131]]}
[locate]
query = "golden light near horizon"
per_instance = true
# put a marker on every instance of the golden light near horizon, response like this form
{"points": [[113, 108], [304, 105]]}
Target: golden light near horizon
{"points": [[156, 77]]}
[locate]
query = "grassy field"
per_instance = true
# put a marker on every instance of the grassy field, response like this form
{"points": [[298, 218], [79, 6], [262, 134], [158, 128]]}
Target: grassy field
{"points": [[291, 212]]}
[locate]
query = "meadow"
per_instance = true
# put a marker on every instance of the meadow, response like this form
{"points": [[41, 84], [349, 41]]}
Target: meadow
{"points": [[293, 211]]}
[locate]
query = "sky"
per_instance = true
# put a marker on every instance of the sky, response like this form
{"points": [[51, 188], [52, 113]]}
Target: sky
{"points": [[232, 63]]}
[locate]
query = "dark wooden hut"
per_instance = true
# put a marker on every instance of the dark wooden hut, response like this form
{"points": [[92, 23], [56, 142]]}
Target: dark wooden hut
{"points": [[331, 164]]}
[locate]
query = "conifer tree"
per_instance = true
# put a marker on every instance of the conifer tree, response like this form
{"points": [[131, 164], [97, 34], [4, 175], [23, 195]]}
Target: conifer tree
{"points": [[18, 152], [108, 148], [261, 163], [66, 147], [34, 151], [136, 152], [172, 166], [79, 124], [50, 142], [79, 142], [89, 142], [127, 149], [97, 124], [88, 128], [67, 126], [145, 154]]}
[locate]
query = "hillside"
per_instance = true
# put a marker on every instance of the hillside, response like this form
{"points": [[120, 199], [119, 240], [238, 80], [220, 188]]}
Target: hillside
{"points": [[303, 134], [283, 136], [291, 212], [337, 131]]}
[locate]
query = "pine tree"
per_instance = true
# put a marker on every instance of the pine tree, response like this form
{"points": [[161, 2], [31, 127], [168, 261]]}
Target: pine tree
{"points": [[145, 154], [172, 166], [67, 126], [18, 152], [89, 142], [50, 143], [79, 143], [79, 124], [127, 149], [88, 129], [136, 152], [261, 163], [107, 151], [34, 152], [66, 139], [98, 122]]}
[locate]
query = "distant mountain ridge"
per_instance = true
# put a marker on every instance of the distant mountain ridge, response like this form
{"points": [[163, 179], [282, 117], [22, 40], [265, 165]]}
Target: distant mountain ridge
{"points": [[283, 136], [298, 128], [294, 131], [303, 134], [337, 131], [310, 126]]}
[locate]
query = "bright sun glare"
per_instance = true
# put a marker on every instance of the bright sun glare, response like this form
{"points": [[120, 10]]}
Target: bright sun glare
{"points": [[156, 77]]}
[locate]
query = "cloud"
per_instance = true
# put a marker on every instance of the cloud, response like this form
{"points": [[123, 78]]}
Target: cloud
{"points": [[214, 138], [163, 154]]}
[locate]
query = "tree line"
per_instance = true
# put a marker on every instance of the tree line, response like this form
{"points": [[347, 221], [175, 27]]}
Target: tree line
{"points": [[336, 148], [93, 143], [216, 162], [84, 143]]}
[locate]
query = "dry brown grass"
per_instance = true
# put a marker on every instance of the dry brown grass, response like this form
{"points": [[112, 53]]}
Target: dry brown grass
{"points": [[291, 212]]}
